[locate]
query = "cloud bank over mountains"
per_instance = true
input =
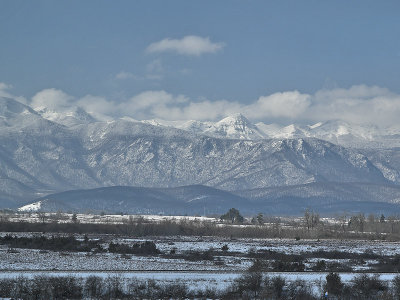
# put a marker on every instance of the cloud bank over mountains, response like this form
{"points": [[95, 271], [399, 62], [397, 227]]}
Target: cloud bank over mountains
{"points": [[360, 104]]}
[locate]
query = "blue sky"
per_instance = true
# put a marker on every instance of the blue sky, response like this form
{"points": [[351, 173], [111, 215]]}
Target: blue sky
{"points": [[222, 53]]}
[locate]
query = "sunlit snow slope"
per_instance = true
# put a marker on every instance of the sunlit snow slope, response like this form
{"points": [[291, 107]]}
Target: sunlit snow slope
{"points": [[43, 152]]}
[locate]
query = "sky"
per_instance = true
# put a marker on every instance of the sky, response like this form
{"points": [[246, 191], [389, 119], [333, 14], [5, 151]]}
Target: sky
{"points": [[274, 61]]}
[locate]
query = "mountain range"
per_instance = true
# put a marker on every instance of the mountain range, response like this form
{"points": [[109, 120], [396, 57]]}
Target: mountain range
{"points": [[335, 131], [325, 198], [45, 152]]}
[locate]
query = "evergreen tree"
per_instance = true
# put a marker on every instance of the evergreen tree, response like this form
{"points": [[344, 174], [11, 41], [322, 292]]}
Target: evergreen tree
{"points": [[233, 216]]}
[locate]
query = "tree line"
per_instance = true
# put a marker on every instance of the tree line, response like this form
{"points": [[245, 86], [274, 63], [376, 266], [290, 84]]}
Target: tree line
{"points": [[309, 226], [252, 284]]}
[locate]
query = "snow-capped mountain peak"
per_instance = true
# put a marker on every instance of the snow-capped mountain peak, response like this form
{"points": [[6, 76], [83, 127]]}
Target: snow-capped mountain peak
{"points": [[235, 126], [14, 115], [316, 125], [10, 108], [41, 156], [71, 117], [237, 118]]}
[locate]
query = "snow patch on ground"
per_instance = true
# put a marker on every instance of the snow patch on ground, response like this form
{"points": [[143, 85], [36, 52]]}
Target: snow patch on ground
{"points": [[31, 207]]}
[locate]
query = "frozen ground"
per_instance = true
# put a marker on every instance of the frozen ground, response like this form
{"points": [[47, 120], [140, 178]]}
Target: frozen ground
{"points": [[30, 259], [230, 261], [289, 246], [218, 273]]}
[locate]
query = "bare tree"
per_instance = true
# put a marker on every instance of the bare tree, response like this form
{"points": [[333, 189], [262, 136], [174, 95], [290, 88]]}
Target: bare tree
{"points": [[42, 217]]}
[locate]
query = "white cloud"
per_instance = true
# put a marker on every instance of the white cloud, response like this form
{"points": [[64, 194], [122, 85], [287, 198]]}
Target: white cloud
{"points": [[4, 92], [150, 99], [160, 104], [188, 45], [354, 92], [99, 107], [211, 110], [150, 104], [279, 105], [185, 71], [155, 67], [5, 86], [203, 110], [124, 75], [59, 101], [359, 104], [154, 70], [52, 99]]}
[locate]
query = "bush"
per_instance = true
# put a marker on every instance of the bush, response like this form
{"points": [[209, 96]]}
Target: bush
{"points": [[396, 287], [93, 287], [333, 284], [22, 288], [232, 216], [198, 255], [146, 248], [300, 290], [249, 282], [55, 243], [320, 266], [225, 247], [6, 287], [137, 288], [282, 266], [368, 287], [41, 287], [273, 287], [176, 290], [113, 287], [65, 287]]}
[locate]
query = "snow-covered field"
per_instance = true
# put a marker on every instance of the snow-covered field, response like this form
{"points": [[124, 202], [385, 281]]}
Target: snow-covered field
{"points": [[288, 246], [197, 280], [217, 273], [233, 260], [194, 280], [30, 259]]}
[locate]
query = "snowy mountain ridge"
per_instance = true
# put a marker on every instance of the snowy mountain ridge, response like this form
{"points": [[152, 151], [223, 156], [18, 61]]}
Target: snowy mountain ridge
{"points": [[336, 131], [237, 126], [75, 116], [40, 156]]}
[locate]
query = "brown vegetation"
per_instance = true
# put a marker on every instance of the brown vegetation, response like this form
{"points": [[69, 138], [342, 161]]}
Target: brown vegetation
{"points": [[253, 284]]}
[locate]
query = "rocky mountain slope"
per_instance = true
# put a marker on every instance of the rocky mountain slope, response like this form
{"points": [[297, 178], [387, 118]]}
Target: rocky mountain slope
{"points": [[39, 156], [338, 132]]}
